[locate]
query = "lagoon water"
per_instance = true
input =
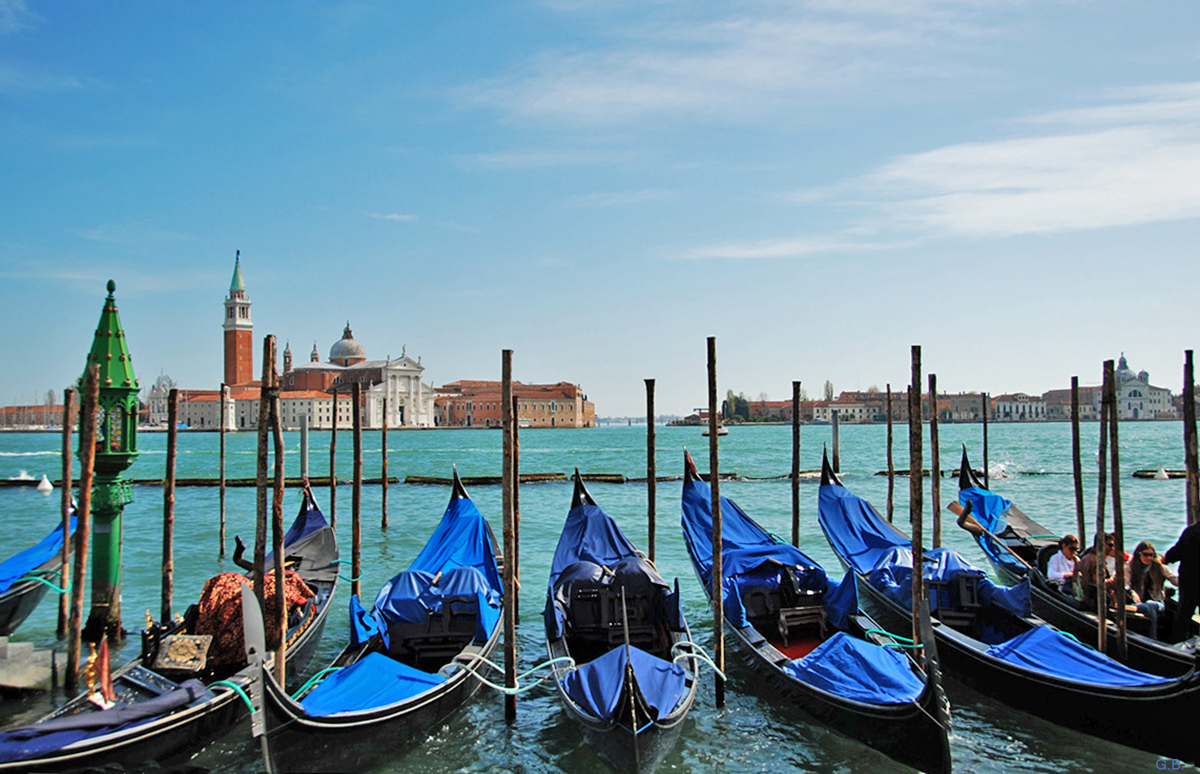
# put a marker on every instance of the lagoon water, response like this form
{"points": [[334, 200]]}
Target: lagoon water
{"points": [[755, 732]]}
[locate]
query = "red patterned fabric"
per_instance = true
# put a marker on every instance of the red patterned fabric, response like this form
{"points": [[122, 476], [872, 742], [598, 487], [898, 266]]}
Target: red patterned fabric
{"points": [[221, 613]]}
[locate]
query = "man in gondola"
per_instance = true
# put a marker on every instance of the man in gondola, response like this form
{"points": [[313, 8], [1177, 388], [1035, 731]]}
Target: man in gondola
{"points": [[1186, 551]]}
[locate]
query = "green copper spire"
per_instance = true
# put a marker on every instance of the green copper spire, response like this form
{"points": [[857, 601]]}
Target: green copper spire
{"points": [[238, 283], [109, 349]]}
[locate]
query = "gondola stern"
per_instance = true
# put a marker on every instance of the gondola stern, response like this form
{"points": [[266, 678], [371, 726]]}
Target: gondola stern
{"points": [[828, 477], [581, 495], [458, 491]]}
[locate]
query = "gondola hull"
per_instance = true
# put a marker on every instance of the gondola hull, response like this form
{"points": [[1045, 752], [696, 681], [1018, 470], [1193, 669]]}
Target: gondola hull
{"points": [[358, 741], [1158, 719], [915, 734], [19, 601]]}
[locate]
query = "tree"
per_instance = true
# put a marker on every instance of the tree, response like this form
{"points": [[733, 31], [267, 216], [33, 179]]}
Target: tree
{"points": [[51, 397], [828, 390], [743, 407]]}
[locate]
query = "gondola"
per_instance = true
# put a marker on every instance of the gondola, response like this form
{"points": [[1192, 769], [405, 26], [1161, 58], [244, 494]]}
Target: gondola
{"points": [[617, 639], [804, 630], [24, 578], [988, 638], [168, 706], [411, 662], [1018, 547]]}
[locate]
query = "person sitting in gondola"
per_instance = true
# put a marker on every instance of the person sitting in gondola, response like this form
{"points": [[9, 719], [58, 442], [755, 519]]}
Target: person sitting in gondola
{"points": [[1061, 570], [1085, 574], [1147, 576]]}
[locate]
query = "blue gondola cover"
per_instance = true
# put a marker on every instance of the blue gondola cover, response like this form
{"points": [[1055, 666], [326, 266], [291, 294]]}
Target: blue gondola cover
{"points": [[1050, 652], [987, 507], [893, 576], [856, 531], [855, 669], [374, 681], [597, 685], [35, 556]]}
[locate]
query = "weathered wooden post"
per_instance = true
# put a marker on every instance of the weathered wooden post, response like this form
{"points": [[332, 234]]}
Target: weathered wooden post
{"points": [[356, 493], [277, 532], [383, 476], [935, 464], [1110, 386], [304, 446], [714, 478], [796, 464], [986, 466], [1189, 439], [64, 600], [651, 471], [168, 551], [333, 462], [83, 522], [835, 417], [516, 507], [915, 491], [1098, 578], [221, 474], [260, 481], [891, 462], [1077, 462], [508, 421]]}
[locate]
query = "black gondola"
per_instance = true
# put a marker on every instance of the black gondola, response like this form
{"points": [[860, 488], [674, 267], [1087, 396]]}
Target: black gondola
{"points": [[989, 642], [411, 662], [164, 709], [24, 577], [805, 631], [619, 643], [1018, 547]]}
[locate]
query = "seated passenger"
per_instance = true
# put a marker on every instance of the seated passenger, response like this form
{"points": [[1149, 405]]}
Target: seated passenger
{"points": [[1147, 575], [1061, 570], [1085, 573]]}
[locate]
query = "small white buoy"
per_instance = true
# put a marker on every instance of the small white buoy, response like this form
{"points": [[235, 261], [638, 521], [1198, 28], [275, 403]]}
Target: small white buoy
{"points": [[1161, 474], [44, 486]]}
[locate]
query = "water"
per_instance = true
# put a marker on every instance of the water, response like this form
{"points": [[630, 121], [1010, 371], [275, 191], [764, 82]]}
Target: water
{"points": [[756, 732]]}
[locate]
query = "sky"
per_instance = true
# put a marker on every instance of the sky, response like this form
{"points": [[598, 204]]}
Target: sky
{"points": [[600, 186]]}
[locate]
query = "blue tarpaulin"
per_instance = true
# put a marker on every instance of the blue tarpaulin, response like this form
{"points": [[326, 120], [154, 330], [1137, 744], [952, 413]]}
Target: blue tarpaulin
{"points": [[1045, 650], [751, 557], [856, 531], [597, 685], [590, 535], [33, 557], [461, 539], [374, 681], [893, 576], [987, 507], [855, 669]]}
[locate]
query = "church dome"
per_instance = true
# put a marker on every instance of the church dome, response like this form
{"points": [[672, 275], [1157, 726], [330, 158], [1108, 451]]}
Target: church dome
{"points": [[347, 351]]}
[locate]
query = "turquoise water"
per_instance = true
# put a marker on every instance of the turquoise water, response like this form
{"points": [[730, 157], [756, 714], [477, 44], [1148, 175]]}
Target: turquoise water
{"points": [[754, 732]]}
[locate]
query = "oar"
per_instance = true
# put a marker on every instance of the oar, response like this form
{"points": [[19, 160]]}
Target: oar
{"points": [[256, 648], [967, 521], [630, 683]]}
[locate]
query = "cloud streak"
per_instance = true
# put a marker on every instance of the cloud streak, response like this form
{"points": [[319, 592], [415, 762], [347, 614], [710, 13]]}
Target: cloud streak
{"points": [[394, 216]]}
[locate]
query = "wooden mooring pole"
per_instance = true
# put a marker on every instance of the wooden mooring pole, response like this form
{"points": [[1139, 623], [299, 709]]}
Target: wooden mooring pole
{"points": [[1189, 439], [277, 532], [304, 445], [83, 521], [835, 417], [1098, 577], [935, 465], [796, 464], [383, 475], [714, 480], [356, 492], [264, 431], [983, 399], [891, 462], [64, 600], [1077, 463], [1110, 386], [508, 421], [516, 506], [221, 474], [168, 550], [651, 472], [915, 491], [333, 464]]}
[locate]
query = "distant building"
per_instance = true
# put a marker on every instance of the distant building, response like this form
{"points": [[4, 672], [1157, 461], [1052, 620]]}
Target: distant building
{"points": [[1137, 398], [32, 416], [472, 403], [1018, 407]]}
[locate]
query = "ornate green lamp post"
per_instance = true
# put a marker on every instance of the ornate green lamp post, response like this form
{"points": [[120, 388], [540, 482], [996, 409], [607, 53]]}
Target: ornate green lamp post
{"points": [[116, 450]]}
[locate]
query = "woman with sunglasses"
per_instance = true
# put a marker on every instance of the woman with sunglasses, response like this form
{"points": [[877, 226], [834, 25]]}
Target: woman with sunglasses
{"points": [[1147, 576], [1061, 569]]}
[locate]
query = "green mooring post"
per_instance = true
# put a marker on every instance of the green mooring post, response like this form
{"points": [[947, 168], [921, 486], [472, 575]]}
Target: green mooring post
{"points": [[116, 449]]}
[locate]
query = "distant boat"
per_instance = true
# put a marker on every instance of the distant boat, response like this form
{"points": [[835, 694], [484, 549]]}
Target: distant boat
{"points": [[721, 430]]}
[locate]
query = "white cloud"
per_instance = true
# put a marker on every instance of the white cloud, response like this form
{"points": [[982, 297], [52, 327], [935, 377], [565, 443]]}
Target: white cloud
{"points": [[406, 218], [16, 16]]}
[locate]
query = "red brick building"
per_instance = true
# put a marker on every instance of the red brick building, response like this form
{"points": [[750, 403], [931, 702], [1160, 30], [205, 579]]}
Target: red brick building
{"points": [[473, 403]]}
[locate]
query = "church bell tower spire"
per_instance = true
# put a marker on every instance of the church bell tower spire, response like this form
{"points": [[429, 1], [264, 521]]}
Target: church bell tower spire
{"points": [[239, 330]]}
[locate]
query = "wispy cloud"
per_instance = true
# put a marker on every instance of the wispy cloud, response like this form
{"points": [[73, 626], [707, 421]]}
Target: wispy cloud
{"points": [[14, 81], [16, 16], [768, 57], [404, 217], [1132, 160], [132, 233], [524, 159], [619, 198]]}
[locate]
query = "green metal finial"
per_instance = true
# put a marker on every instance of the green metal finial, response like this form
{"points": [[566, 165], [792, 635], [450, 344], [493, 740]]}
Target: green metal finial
{"points": [[112, 287]]}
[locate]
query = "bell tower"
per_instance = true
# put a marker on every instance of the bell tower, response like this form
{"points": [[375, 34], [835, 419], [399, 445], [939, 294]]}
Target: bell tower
{"points": [[239, 331]]}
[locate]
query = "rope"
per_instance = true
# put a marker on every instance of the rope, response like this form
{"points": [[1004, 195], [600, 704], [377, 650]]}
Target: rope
{"points": [[314, 680], [236, 689], [889, 634], [43, 581], [697, 654], [343, 577], [518, 689]]}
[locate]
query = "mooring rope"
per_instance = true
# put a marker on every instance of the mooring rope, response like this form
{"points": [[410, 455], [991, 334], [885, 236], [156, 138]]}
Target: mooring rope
{"points": [[696, 653], [236, 689], [343, 577], [518, 689], [43, 581]]}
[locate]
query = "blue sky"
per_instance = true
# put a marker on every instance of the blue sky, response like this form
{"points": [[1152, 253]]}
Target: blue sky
{"points": [[601, 185]]}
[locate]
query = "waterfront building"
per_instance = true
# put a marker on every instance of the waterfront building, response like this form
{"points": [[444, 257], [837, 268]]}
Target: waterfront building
{"points": [[1018, 407], [474, 403]]}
